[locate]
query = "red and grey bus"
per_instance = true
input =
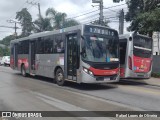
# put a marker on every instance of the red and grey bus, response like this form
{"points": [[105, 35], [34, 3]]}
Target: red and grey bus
{"points": [[81, 54], [135, 56]]}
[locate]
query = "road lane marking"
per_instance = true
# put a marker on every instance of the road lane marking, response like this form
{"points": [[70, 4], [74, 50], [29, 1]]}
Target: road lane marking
{"points": [[66, 106], [140, 89]]}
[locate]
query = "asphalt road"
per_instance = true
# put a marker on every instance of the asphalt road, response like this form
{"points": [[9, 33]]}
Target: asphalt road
{"points": [[19, 93]]}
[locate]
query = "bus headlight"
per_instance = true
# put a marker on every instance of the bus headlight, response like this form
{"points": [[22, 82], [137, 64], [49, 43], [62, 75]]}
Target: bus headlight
{"points": [[88, 71], [91, 73], [85, 70]]}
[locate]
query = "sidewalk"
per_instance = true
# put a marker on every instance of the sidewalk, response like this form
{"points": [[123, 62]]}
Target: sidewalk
{"points": [[152, 81]]}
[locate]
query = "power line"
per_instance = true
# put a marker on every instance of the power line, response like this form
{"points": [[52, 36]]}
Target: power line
{"points": [[93, 11], [34, 3], [82, 14]]}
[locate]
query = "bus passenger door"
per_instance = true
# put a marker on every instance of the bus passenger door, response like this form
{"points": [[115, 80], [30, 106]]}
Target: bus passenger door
{"points": [[15, 55], [71, 56], [32, 57]]}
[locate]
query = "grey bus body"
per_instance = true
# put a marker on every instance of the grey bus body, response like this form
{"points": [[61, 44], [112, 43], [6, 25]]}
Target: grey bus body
{"points": [[135, 55], [44, 53]]}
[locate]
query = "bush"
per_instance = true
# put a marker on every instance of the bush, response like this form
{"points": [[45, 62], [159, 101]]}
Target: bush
{"points": [[156, 75]]}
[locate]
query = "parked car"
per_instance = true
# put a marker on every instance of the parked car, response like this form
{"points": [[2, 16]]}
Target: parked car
{"points": [[0, 60], [5, 60]]}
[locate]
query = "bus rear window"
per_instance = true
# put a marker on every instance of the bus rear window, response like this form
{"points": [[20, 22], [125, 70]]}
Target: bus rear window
{"points": [[143, 42]]}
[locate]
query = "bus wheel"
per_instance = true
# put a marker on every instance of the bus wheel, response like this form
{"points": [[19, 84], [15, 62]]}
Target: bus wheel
{"points": [[23, 71], [60, 77]]}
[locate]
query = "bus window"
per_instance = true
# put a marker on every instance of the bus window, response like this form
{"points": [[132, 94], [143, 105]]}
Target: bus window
{"points": [[12, 49], [20, 48], [48, 48], [25, 45], [58, 44], [40, 49]]}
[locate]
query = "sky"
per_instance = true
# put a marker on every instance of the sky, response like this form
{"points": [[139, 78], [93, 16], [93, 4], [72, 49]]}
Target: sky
{"points": [[82, 10]]}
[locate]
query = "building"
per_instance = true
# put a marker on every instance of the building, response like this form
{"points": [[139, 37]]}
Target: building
{"points": [[156, 43]]}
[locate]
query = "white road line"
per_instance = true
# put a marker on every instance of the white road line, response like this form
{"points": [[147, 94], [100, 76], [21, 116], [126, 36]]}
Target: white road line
{"points": [[66, 106]]}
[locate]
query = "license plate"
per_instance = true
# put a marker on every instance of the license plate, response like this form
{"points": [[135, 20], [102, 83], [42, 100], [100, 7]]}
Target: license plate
{"points": [[106, 78], [140, 74]]}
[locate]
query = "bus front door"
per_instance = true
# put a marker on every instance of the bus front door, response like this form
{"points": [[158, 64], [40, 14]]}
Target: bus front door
{"points": [[71, 56], [32, 57], [16, 55]]}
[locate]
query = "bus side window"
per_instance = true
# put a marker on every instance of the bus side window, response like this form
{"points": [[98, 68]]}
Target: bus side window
{"points": [[41, 43], [12, 48], [20, 48], [48, 48], [58, 44], [25, 45]]}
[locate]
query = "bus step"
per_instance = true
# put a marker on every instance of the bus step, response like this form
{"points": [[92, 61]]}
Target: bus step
{"points": [[32, 74]]}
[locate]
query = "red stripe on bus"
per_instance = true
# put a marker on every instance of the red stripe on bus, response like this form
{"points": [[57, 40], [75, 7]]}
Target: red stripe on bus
{"points": [[104, 72], [142, 64]]}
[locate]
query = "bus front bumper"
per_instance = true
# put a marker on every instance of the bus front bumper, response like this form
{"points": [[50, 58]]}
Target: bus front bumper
{"points": [[86, 78], [139, 75]]}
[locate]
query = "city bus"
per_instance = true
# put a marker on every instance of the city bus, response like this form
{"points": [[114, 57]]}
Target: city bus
{"points": [[81, 54], [135, 56]]}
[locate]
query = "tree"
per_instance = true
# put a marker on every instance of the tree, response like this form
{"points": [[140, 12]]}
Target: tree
{"points": [[117, 1], [59, 20], [4, 51], [42, 24], [26, 21], [144, 16], [69, 23], [7, 39]]}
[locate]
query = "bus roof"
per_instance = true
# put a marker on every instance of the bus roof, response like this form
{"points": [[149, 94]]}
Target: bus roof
{"points": [[130, 34], [47, 33]]}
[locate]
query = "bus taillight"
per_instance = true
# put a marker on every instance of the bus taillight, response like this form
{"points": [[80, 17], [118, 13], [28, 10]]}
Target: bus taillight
{"points": [[150, 65], [130, 63]]}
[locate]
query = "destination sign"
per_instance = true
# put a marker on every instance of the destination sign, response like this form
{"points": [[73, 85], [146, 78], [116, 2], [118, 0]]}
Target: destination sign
{"points": [[100, 30]]}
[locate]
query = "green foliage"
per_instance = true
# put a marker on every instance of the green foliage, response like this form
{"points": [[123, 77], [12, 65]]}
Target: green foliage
{"points": [[1, 51], [26, 21], [144, 16], [7, 39], [42, 24], [4, 51], [69, 23], [156, 75], [59, 20], [117, 1]]}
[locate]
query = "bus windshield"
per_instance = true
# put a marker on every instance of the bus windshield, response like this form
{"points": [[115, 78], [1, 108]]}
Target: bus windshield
{"points": [[99, 49], [142, 46]]}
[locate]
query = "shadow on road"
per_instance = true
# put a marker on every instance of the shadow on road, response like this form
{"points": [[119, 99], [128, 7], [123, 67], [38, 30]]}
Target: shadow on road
{"points": [[133, 82], [82, 86]]}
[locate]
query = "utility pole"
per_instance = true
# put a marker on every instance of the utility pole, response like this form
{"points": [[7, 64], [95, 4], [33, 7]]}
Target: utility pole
{"points": [[121, 22], [34, 3], [101, 10], [15, 27]]}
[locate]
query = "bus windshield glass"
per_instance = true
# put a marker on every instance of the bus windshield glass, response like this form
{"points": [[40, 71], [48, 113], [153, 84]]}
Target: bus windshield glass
{"points": [[142, 46], [99, 49]]}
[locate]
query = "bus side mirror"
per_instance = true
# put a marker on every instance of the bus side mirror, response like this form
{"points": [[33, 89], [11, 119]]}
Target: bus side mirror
{"points": [[130, 38]]}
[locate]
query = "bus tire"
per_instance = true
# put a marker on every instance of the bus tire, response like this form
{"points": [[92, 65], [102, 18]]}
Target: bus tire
{"points": [[23, 71], [60, 77]]}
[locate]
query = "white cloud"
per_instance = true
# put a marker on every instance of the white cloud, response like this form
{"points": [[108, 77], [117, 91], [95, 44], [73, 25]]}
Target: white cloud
{"points": [[8, 9]]}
